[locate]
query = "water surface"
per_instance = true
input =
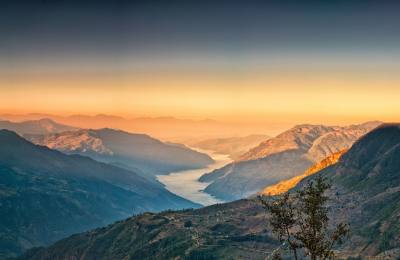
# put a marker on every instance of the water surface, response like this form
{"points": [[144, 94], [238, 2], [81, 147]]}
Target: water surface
{"points": [[186, 184]]}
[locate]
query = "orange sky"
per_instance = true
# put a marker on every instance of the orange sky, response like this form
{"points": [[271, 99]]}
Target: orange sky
{"points": [[315, 96], [266, 63]]}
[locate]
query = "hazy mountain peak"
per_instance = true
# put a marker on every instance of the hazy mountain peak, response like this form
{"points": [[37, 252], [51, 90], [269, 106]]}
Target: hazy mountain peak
{"points": [[40, 126], [234, 146], [138, 152], [113, 131], [84, 140], [318, 141], [372, 124], [285, 156], [44, 120], [300, 137], [305, 127]]}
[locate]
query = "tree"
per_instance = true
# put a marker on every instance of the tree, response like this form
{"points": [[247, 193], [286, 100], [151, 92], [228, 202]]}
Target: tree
{"points": [[282, 220], [188, 224], [302, 221]]}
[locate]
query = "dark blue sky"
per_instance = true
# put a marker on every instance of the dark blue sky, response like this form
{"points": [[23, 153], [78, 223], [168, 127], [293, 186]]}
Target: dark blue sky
{"points": [[113, 28]]}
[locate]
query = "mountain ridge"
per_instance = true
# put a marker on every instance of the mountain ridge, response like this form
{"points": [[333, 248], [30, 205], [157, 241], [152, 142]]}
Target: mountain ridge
{"points": [[164, 128], [46, 195], [40, 126], [364, 195], [234, 146], [139, 152], [285, 156]]}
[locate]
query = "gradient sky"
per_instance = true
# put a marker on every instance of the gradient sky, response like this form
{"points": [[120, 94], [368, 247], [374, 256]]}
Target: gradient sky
{"points": [[243, 61]]}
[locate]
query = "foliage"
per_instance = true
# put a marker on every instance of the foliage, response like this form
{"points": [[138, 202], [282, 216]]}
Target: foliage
{"points": [[188, 224], [282, 220], [301, 220]]}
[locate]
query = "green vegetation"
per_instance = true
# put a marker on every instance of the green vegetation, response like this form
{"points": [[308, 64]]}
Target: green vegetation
{"points": [[302, 221], [46, 195], [237, 230]]}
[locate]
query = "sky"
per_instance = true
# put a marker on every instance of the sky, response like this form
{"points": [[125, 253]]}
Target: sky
{"points": [[333, 62]]}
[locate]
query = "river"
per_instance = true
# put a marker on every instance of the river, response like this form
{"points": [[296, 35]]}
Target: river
{"points": [[186, 184]]}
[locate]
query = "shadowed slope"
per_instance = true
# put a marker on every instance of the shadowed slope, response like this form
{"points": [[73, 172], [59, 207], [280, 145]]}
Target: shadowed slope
{"points": [[46, 195], [138, 152]]}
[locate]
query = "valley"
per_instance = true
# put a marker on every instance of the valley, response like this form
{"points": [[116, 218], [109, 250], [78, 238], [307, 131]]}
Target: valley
{"points": [[108, 166], [364, 194], [199, 130], [47, 195], [186, 183]]}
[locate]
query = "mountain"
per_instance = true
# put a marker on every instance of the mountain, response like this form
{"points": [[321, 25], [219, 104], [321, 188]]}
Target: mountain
{"points": [[242, 179], [234, 146], [137, 152], [46, 195], [226, 231], [40, 126], [287, 155], [365, 193], [316, 141], [286, 185], [166, 128]]}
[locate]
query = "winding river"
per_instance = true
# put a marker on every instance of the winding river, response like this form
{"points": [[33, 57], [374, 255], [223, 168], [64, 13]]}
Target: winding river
{"points": [[186, 184]]}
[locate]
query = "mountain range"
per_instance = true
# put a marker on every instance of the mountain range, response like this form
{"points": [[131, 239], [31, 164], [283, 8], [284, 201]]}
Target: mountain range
{"points": [[138, 152], [234, 146], [46, 195], [287, 155], [166, 128], [40, 126], [365, 193]]}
